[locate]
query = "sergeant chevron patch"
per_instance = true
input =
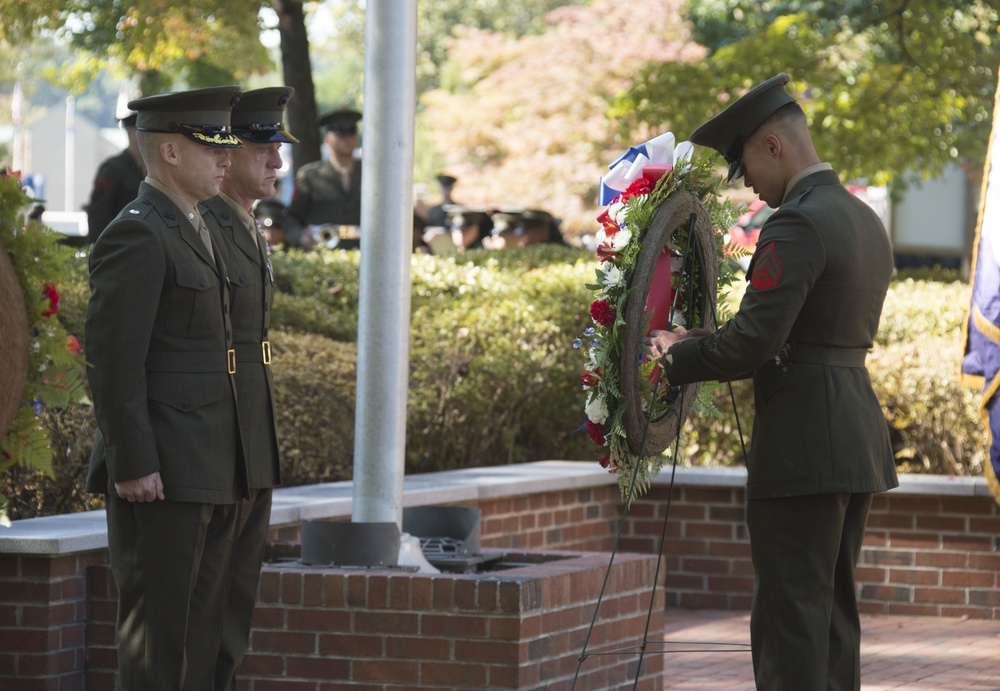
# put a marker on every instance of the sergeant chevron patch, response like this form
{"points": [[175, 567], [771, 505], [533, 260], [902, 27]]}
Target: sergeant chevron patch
{"points": [[766, 268]]}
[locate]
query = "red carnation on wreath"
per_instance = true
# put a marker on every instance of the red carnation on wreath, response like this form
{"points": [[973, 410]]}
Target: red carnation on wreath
{"points": [[590, 378], [639, 187], [50, 293], [597, 432], [601, 312], [605, 460]]}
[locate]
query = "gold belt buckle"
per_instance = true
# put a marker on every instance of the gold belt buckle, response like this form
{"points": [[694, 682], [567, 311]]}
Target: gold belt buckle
{"points": [[231, 360], [265, 348]]}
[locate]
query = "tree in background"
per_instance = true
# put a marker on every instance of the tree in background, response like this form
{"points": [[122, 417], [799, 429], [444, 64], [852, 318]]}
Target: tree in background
{"points": [[525, 122], [163, 41], [891, 87]]}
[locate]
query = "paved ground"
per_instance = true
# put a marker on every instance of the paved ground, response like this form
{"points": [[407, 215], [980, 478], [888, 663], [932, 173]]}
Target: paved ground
{"points": [[911, 653]]}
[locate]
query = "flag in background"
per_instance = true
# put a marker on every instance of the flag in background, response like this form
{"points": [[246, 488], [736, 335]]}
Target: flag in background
{"points": [[981, 358]]}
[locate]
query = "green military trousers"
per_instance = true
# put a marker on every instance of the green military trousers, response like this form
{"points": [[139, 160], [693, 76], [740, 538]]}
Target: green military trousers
{"points": [[805, 632]]}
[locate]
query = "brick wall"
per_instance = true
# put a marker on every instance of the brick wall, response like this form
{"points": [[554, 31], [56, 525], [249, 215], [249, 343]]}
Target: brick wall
{"points": [[929, 553], [43, 621], [922, 555]]}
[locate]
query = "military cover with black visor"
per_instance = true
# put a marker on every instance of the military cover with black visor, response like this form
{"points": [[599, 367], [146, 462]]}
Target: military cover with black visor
{"points": [[202, 115]]}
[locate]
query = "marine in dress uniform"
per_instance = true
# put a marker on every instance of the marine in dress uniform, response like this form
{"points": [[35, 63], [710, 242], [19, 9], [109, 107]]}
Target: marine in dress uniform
{"points": [[328, 192], [437, 215], [820, 444], [116, 183], [257, 120], [168, 453]]}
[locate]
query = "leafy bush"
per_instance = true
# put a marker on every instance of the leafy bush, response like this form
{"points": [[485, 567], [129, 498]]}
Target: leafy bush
{"points": [[933, 423], [494, 378]]}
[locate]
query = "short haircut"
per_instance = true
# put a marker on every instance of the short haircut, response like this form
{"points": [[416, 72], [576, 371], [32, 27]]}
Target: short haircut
{"points": [[790, 112]]}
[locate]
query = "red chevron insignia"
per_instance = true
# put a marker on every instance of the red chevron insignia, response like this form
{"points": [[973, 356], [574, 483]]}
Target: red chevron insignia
{"points": [[766, 268]]}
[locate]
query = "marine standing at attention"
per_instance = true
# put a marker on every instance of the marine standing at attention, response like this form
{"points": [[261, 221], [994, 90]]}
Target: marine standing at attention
{"points": [[257, 121], [168, 453]]}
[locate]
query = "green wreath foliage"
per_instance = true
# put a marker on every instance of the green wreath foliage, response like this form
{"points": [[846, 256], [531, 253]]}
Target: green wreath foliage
{"points": [[55, 377]]}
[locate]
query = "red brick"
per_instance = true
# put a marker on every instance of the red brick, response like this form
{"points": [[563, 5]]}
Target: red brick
{"points": [[914, 540], [989, 526], [257, 665], [968, 506], [291, 587], [890, 520], [318, 619], [942, 560], [270, 581], [378, 591], [915, 576], [313, 589], [284, 642], [357, 590], [968, 579], [949, 596], [419, 648], [384, 670], [453, 626], [386, 623], [967, 543], [989, 598], [901, 503], [938, 523], [351, 645], [990, 562], [706, 565], [316, 668]]}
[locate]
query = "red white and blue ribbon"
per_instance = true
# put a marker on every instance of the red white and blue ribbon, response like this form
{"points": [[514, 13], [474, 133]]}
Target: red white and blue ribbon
{"points": [[659, 151]]}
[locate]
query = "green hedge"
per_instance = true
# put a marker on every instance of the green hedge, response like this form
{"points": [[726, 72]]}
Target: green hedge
{"points": [[494, 378]]}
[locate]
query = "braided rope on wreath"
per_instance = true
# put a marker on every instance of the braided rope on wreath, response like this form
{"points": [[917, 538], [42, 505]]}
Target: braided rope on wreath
{"points": [[674, 212]]}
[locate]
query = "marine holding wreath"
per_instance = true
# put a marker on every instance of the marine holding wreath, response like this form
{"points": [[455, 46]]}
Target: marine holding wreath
{"points": [[820, 445]]}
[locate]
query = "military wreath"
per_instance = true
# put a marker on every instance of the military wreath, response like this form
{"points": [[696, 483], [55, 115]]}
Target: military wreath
{"points": [[663, 260], [42, 364]]}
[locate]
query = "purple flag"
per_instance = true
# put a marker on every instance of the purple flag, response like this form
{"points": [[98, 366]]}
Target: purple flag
{"points": [[981, 358]]}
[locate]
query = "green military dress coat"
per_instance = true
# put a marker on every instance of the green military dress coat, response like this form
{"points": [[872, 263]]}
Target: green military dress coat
{"points": [[156, 337], [320, 198], [250, 310], [817, 283]]}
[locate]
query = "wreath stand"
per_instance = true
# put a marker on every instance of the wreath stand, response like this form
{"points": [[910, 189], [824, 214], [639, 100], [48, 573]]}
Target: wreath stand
{"points": [[651, 434]]}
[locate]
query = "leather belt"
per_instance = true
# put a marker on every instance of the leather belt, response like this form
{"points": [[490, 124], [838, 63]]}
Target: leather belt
{"points": [[181, 361], [259, 351], [807, 353]]}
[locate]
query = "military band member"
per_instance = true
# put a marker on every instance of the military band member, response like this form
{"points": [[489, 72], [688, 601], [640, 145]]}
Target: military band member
{"points": [[168, 453], [328, 192], [820, 444], [257, 120]]}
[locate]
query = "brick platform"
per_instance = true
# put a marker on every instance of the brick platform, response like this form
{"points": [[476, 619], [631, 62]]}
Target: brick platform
{"points": [[932, 548]]}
